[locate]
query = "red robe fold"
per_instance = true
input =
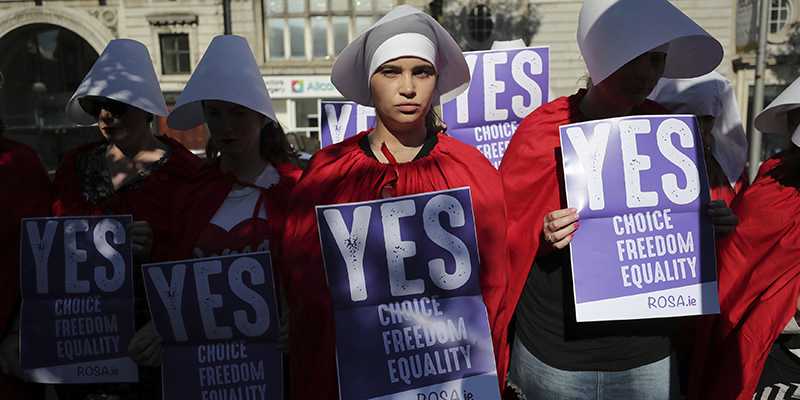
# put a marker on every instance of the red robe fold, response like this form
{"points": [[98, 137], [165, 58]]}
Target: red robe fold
{"points": [[147, 201], [342, 173], [725, 193], [195, 205], [533, 183], [759, 283], [25, 193]]}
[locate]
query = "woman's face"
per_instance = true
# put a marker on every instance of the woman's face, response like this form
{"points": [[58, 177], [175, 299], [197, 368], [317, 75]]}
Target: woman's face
{"points": [[631, 84], [402, 91], [235, 129], [118, 122]]}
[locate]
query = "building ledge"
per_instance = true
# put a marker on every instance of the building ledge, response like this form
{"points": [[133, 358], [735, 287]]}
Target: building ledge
{"points": [[172, 19]]}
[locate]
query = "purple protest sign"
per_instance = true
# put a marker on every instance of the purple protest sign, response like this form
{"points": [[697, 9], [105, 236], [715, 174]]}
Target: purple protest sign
{"points": [[76, 318], [404, 279], [218, 319], [339, 120], [506, 86], [645, 248]]}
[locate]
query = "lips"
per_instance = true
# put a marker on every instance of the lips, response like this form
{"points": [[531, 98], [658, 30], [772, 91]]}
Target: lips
{"points": [[408, 107]]}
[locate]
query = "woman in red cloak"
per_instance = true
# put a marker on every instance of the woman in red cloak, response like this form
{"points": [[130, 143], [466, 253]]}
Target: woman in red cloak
{"points": [[130, 171], [628, 45], [400, 66], [753, 346], [240, 203]]}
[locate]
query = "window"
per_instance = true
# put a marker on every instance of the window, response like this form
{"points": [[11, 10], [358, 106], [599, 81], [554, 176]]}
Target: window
{"points": [[319, 32], [175, 53], [316, 29], [297, 34], [479, 23], [275, 31], [340, 33], [319, 5], [780, 11]]}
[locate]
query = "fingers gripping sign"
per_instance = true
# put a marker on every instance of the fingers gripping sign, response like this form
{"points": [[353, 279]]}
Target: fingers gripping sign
{"points": [[559, 227]]}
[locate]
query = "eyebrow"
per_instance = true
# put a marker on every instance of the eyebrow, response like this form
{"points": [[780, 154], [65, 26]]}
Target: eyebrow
{"points": [[413, 68], [389, 66], [424, 67]]}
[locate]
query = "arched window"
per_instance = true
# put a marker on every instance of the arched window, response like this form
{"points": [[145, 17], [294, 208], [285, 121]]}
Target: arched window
{"points": [[780, 13], [42, 65]]}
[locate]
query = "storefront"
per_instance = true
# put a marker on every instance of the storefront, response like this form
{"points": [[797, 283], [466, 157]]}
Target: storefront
{"points": [[296, 101]]}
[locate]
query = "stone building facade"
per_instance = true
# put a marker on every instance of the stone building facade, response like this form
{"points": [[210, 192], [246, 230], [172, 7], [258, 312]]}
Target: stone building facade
{"points": [[46, 47]]}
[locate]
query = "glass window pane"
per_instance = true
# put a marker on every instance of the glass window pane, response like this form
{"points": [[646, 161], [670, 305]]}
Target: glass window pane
{"points": [[383, 5], [184, 63], [340, 38], [319, 34], [274, 7], [276, 31], [297, 6], [305, 112], [362, 23], [363, 5], [340, 5], [297, 37], [169, 66], [319, 5]]}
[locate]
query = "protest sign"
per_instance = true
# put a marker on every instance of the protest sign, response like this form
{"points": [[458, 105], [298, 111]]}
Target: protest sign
{"points": [[76, 318], [404, 280], [645, 247], [506, 86], [218, 320], [339, 120]]}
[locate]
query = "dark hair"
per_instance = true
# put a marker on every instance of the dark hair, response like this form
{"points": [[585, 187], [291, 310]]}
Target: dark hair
{"points": [[274, 147], [787, 172], [433, 123]]}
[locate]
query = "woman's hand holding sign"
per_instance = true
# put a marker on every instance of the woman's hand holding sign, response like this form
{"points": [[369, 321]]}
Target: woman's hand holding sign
{"points": [[559, 227], [141, 236], [145, 347], [722, 217]]}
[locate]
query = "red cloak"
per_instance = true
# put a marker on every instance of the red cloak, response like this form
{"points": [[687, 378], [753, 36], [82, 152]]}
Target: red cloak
{"points": [[343, 173], [195, 204], [759, 283], [26, 193], [147, 201], [533, 183], [725, 193]]}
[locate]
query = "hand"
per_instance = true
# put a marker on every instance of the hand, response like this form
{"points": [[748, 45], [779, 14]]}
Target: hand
{"points": [[722, 217], [559, 227], [145, 347], [9, 355], [141, 237]]}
